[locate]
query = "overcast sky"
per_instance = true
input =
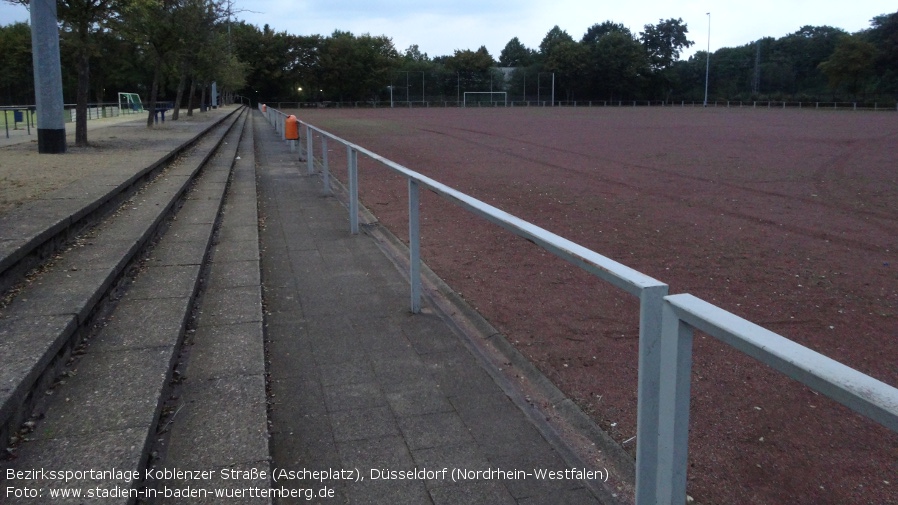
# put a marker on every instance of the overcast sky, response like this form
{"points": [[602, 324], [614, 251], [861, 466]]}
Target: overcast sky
{"points": [[439, 28]]}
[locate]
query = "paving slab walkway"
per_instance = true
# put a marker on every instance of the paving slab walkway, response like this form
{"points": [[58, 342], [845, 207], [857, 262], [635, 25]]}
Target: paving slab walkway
{"points": [[361, 385]]}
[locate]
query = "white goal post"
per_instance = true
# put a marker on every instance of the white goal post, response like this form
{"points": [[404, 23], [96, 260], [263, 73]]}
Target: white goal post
{"points": [[503, 99], [129, 103]]}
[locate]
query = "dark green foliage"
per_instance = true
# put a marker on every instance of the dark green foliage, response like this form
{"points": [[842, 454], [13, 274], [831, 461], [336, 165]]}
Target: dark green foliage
{"points": [[664, 42], [850, 65], [17, 74], [595, 32], [516, 54], [883, 34]]}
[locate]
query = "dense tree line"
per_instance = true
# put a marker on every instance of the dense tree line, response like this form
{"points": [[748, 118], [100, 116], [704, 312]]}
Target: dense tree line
{"points": [[178, 47], [609, 62], [816, 63]]}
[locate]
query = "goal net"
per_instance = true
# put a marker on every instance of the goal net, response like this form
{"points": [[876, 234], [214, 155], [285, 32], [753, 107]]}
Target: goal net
{"points": [[129, 103], [492, 98]]}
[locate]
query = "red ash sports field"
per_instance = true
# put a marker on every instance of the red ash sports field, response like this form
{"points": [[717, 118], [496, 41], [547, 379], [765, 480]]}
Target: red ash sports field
{"points": [[788, 218]]}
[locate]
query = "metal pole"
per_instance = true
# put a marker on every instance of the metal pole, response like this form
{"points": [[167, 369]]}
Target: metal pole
{"points": [[310, 153], [648, 393], [325, 169], [414, 245], [708, 60], [353, 159], [553, 89], [47, 78], [673, 428]]}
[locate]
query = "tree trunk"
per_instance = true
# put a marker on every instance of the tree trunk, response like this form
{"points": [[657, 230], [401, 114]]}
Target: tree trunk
{"points": [[190, 98], [83, 95], [203, 100], [179, 96], [154, 90]]}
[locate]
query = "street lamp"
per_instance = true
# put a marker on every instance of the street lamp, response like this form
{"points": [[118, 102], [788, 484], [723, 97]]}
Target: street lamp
{"points": [[708, 60]]}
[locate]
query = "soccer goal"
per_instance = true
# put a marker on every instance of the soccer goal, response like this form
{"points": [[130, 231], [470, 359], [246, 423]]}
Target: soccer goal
{"points": [[129, 103], [493, 98]]}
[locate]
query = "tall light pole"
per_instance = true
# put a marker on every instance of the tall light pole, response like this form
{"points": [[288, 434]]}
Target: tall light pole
{"points": [[708, 60]]}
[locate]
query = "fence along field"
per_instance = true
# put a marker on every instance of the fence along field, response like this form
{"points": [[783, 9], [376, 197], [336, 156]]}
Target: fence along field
{"points": [[787, 219]]}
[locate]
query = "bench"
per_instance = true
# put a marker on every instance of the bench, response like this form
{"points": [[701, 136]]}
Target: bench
{"points": [[161, 109]]}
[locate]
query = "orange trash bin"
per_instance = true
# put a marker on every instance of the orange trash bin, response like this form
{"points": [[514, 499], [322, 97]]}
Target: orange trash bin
{"points": [[291, 128]]}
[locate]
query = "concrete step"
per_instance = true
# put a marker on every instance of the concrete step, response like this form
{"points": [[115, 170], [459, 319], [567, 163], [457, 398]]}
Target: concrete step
{"points": [[98, 411], [218, 410], [35, 231]]}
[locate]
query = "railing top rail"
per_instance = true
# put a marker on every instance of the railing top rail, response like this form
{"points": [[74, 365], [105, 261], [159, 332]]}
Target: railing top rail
{"points": [[618, 274], [860, 392]]}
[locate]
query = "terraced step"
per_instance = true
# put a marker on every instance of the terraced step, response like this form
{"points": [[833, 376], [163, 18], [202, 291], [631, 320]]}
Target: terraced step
{"points": [[221, 422], [101, 412], [34, 231]]}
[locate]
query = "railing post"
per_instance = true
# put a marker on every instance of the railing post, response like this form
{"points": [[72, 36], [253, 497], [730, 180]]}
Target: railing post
{"points": [[353, 160], [673, 430], [651, 300], [414, 245], [325, 169], [310, 154]]}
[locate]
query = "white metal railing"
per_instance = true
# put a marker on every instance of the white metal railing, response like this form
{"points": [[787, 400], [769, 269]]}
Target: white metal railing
{"points": [[666, 324], [684, 313]]}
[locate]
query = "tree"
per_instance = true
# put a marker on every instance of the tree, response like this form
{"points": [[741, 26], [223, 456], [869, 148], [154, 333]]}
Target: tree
{"points": [[472, 68], [555, 36], [152, 25], [82, 19], [515, 54], [793, 60], [595, 32], [196, 28], [850, 64], [619, 65], [414, 55], [355, 68], [17, 75], [471, 61], [664, 42], [883, 34], [303, 67], [276, 62], [569, 60]]}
